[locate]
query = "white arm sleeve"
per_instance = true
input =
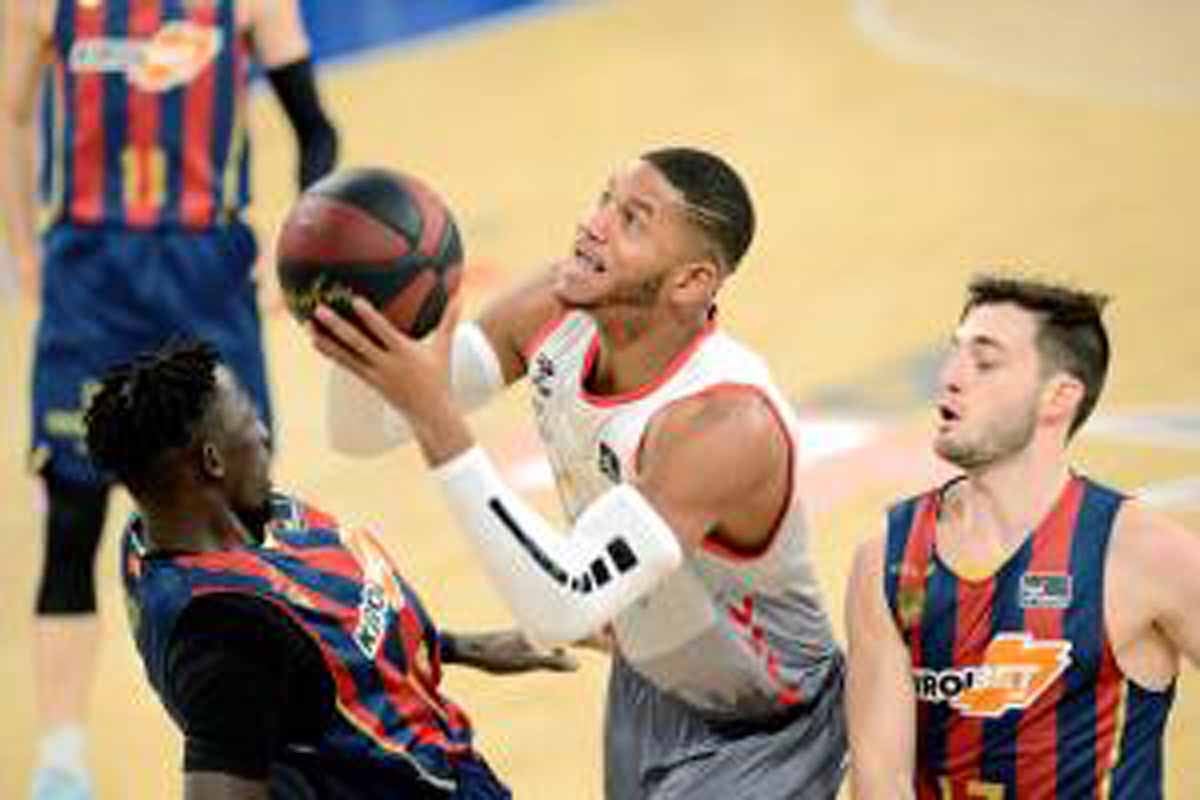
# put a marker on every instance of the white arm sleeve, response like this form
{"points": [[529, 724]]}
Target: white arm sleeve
{"points": [[561, 589], [359, 422]]}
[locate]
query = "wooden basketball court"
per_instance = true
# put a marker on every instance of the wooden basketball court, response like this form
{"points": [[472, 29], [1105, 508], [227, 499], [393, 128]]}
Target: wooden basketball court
{"points": [[886, 170]]}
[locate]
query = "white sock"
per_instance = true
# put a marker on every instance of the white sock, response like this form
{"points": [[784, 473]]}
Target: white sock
{"points": [[63, 748]]}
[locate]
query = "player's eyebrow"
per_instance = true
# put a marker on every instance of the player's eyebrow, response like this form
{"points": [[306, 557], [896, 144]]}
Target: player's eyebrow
{"points": [[642, 206], [978, 340]]}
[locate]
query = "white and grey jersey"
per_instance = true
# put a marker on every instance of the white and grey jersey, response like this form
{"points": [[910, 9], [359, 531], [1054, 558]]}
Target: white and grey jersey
{"points": [[733, 635]]}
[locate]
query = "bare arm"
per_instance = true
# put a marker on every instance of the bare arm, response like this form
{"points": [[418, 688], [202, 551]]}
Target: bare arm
{"points": [[880, 705], [1165, 560], [220, 786], [513, 319], [715, 464], [278, 32], [27, 44]]}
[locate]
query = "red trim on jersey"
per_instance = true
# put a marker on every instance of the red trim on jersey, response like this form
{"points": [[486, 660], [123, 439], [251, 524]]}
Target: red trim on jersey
{"points": [[1037, 734], [676, 363], [87, 162], [142, 121], [196, 199], [543, 333]]}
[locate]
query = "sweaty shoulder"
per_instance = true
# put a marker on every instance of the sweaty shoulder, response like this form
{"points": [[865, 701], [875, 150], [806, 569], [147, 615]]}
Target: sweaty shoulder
{"points": [[720, 458]]}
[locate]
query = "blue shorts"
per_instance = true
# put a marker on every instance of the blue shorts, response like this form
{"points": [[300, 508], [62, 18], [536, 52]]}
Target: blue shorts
{"points": [[109, 294]]}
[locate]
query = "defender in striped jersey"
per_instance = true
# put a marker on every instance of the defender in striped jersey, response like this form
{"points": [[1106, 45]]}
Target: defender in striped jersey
{"points": [[1016, 633], [294, 657], [144, 176]]}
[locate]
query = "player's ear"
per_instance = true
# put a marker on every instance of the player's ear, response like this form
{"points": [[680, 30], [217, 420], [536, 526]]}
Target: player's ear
{"points": [[1062, 395], [211, 462], [699, 278]]}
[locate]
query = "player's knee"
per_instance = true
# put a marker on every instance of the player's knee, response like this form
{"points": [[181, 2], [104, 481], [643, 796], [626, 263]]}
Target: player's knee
{"points": [[74, 522]]}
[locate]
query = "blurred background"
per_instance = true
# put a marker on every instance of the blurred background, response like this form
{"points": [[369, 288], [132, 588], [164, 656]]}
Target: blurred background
{"points": [[894, 147]]}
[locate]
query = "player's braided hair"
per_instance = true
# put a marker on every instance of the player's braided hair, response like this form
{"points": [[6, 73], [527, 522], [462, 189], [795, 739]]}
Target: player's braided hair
{"points": [[717, 200], [148, 406]]}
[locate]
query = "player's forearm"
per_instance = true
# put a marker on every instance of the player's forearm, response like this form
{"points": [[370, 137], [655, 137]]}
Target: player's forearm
{"points": [[560, 588], [16, 142], [876, 783]]}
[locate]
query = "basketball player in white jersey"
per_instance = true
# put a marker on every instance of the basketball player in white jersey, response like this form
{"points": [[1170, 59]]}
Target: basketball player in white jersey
{"points": [[674, 454]]}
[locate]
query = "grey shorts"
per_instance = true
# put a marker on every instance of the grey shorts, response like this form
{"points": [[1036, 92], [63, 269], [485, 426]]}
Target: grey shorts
{"points": [[658, 748]]}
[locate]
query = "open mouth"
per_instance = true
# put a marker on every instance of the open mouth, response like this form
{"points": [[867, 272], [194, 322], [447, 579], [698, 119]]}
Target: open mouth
{"points": [[947, 414], [589, 260]]}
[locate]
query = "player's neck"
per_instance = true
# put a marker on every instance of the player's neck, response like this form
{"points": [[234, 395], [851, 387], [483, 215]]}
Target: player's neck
{"points": [[197, 525], [636, 352], [1006, 501]]}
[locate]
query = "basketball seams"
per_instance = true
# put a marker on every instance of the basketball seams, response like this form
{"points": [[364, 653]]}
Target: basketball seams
{"points": [[326, 229]]}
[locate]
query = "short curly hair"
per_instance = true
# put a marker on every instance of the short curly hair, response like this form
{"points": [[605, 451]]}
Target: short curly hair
{"points": [[149, 406]]}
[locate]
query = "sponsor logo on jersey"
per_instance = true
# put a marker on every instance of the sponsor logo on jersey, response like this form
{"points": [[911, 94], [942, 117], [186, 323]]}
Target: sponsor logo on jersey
{"points": [[1016, 670], [1045, 591], [172, 57], [381, 593]]}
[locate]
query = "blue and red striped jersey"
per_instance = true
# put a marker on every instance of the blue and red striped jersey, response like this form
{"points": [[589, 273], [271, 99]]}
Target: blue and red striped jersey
{"points": [[144, 114], [340, 587], [1018, 692]]}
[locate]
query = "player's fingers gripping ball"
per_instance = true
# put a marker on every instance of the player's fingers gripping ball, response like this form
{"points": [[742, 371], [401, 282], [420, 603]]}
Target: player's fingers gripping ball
{"points": [[373, 232]]}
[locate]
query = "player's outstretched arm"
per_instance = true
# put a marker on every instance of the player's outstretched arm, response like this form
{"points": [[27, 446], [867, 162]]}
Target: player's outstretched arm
{"points": [[880, 705], [505, 652], [26, 47]]}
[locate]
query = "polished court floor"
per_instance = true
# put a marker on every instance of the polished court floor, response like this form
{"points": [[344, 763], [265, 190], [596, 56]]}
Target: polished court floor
{"points": [[894, 147]]}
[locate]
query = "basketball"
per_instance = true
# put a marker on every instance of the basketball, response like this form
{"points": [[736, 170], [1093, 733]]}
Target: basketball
{"points": [[373, 232]]}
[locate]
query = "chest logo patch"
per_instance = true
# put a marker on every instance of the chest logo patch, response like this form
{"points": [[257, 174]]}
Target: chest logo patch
{"points": [[1016, 670], [172, 57]]}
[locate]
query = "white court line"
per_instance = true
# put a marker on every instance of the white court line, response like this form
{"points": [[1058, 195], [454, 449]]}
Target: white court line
{"points": [[1052, 78]]}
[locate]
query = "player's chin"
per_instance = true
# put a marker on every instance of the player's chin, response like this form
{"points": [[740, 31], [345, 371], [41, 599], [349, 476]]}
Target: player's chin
{"points": [[573, 299]]}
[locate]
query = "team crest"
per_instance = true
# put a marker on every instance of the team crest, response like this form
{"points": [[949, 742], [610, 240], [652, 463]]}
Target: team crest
{"points": [[1016, 670], [609, 464]]}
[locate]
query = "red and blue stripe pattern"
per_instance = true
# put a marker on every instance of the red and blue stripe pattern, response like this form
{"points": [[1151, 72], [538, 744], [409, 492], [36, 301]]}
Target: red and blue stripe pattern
{"points": [[378, 643], [144, 115], [1086, 731]]}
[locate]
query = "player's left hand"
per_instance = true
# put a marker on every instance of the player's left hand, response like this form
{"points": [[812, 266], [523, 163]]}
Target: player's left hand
{"points": [[506, 653]]}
